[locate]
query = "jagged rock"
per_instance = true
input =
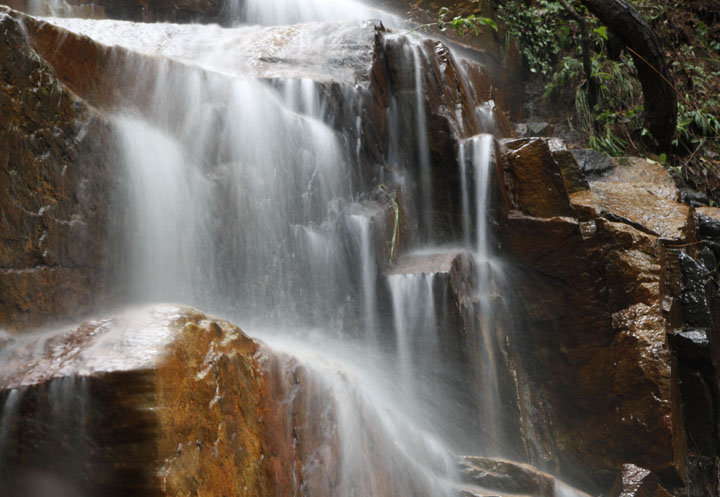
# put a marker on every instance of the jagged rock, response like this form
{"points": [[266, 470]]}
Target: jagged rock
{"points": [[599, 251], [532, 182], [56, 154], [163, 401], [638, 482], [572, 174], [506, 476]]}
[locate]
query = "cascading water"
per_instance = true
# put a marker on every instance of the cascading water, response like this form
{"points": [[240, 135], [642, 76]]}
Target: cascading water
{"points": [[242, 196], [278, 12]]}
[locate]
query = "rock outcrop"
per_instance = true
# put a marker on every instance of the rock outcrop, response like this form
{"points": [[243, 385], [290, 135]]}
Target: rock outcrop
{"points": [[598, 289]]}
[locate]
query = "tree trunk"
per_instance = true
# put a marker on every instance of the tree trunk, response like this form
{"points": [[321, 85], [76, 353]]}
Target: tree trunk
{"points": [[660, 97]]}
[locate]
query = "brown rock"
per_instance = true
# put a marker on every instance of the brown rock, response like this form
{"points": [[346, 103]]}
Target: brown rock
{"points": [[642, 171], [55, 158], [170, 402], [532, 180], [604, 265], [645, 206]]}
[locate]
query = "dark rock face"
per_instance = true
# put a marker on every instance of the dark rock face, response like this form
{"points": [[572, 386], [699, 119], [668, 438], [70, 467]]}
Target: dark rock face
{"points": [[599, 254], [592, 162], [55, 162]]}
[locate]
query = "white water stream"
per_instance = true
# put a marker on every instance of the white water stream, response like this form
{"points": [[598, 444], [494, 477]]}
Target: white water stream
{"points": [[240, 197]]}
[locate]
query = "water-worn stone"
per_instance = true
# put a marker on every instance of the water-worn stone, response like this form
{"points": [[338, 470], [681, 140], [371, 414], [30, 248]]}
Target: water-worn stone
{"points": [[163, 401]]}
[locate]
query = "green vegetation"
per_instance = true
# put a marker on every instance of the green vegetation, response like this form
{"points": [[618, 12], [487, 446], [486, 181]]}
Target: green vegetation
{"points": [[605, 107]]}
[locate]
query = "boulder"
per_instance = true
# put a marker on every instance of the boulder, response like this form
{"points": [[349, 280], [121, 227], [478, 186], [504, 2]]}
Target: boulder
{"points": [[162, 401]]}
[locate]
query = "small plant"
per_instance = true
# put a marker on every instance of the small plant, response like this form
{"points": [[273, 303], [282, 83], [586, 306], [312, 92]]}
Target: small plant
{"points": [[463, 25]]}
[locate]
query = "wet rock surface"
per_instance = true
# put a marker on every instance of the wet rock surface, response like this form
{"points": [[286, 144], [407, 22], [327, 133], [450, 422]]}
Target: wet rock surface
{"points": [[133, 10], [600, 253], [638, 482], [162, 401], [56, 155]]}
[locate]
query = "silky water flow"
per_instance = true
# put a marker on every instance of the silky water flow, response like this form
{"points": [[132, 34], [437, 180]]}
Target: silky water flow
{"points": [[241, 196]]}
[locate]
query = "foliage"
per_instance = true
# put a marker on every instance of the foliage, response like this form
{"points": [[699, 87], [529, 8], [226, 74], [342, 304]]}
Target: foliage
{"points": [[464, 24], [549, 40], [541, 43]]}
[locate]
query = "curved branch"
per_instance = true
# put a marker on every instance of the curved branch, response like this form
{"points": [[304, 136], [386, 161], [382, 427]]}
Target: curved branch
{"points": [[644, 46]]}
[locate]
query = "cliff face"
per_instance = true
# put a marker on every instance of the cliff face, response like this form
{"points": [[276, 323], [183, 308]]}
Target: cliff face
{"points": [[610, 272], [55, 167]]}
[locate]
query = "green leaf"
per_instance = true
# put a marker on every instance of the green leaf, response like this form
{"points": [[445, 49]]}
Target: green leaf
{"points": [[602, 31]]}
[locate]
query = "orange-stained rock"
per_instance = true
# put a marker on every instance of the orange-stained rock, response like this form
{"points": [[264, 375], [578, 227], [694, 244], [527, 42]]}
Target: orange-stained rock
{"points": [[56, 153], [163, 401], [650, 207]]}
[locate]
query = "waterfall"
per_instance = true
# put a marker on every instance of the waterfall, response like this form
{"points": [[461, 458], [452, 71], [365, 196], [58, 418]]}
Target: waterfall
{"points": [[242, 193], [279, 12], [361, 225]]}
